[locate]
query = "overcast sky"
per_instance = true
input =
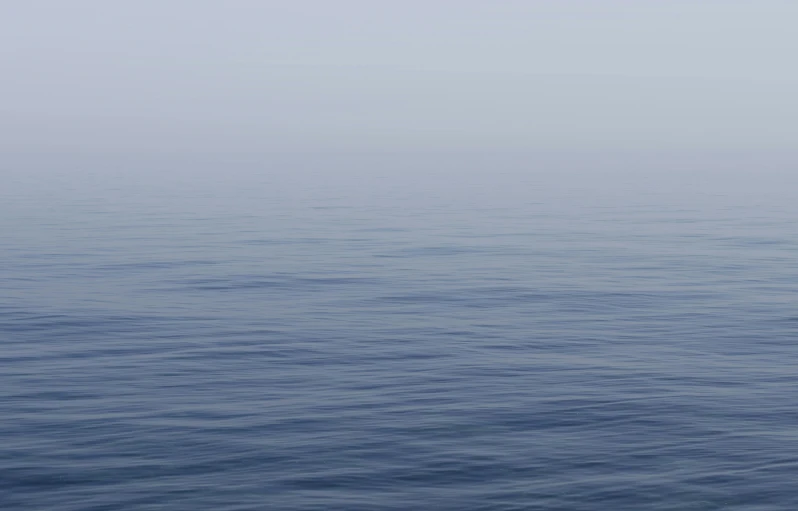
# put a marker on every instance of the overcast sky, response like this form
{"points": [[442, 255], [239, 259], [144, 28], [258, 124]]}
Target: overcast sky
{"points": [[189, 76]]}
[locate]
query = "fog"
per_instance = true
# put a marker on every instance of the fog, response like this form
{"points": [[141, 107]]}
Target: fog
{"points": [[205, 77]]}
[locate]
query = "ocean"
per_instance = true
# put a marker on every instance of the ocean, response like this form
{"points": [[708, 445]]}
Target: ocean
{"points": [[398, 334]]}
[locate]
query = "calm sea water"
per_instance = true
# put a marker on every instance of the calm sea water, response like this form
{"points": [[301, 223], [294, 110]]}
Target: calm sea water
{"points": [[297, 338]]}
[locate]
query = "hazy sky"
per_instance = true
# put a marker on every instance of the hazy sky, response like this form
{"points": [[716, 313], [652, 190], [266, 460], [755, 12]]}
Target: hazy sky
{"points": [[190, 76]]}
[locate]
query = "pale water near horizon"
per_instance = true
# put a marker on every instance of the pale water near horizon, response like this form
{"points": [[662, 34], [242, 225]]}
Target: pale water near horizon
{"points": [[486, 340]]}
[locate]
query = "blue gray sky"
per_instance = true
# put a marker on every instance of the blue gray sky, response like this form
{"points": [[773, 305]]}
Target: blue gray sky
{"points": [[192, 76]]}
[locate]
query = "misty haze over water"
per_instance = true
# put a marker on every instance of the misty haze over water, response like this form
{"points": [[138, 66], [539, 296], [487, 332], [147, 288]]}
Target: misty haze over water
{"points": [[511, 255]]}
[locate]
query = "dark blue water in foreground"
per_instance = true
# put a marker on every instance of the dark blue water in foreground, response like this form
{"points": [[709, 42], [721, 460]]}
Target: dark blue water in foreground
{"points": [[294, 339]]}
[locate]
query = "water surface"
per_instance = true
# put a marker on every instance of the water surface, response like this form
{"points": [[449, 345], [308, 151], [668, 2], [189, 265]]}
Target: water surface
{"points": [[301, 338]]}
